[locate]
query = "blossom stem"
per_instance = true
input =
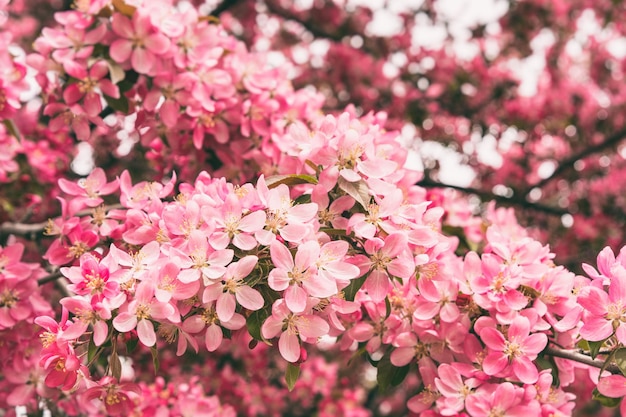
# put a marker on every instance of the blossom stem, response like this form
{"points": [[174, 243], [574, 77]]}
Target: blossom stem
{"points": [[580, 358]]}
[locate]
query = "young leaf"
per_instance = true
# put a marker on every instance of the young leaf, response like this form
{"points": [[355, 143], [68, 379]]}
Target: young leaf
{"points": [[291, 375], [290, 180], [604, 400], [594, 348], [389, 375], [254, 323], [115, 365], [155, 359], [620, 359], [117, 104], [357, 190], [354, 286]]}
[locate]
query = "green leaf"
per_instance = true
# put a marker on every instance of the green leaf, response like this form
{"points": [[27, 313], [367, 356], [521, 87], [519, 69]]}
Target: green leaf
{"points": [[548, 363], [354, 286], [92, 351], [131, 345], [290, 180], [387, 307], [12, 129], [594, 348], [604, 400], [117, 104], [115, 365], [357, 190], [620, 359], [389, 375], [291, 375], [359, 352], [254, 323], [155, 358]]}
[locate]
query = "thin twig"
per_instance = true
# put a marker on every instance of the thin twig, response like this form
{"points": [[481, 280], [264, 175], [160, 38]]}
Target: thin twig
{"points": [[49, 278], [485, 195], [223, 6], [568, 164], [580, 358]]}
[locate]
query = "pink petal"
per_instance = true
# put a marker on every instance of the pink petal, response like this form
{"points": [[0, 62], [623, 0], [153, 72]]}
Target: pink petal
{"points": [[249, 298], [426, 310], [402, 356], [320, 286], [100, 332], [109, 89], [281, 256], [145, 331], [494, 363], [308, 253], [271, 327], [120, 50], [125, 322], [594, 300], [169, 113], [377, 168], [213, 338], [157, 43], [493, 339], [72, 94], [312, 326], [519, 329], [534, 343], [142, 60], [289, 346], [92, 104], [613, 386], [122, 26], [377, 285], [225, 306], [296, 298], [525, 370], [596, 329]]}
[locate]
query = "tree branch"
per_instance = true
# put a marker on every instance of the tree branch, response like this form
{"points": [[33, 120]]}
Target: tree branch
{"points": [[223, 6], [568, 164], [289, 15], [486, 195], [21, 229], [580, 358], [49, 278]]}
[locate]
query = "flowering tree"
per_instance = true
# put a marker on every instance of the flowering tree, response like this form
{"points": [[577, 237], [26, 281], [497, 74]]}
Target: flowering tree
{"points": [[240, 208]]}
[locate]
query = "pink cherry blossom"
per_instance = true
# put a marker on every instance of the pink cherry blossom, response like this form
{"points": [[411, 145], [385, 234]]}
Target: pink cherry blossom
{"points": [[517, 350], [139, 312], [139, 41], [293, 328], [298, 276], [232, 288]]}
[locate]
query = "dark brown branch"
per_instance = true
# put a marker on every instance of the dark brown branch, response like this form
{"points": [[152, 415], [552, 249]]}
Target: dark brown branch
{"points": [[486, 195], [568, 164], [22, 229], [49, 278], [26, 229], [580, 358], [223, 6], [289, 15]]}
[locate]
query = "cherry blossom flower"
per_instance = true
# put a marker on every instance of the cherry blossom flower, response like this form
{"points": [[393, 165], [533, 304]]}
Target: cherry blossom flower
{"points": [[233, 288], [604, 313], [139, 312], [138, 41], [517, 350], [293, 328], [298, 276]]}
